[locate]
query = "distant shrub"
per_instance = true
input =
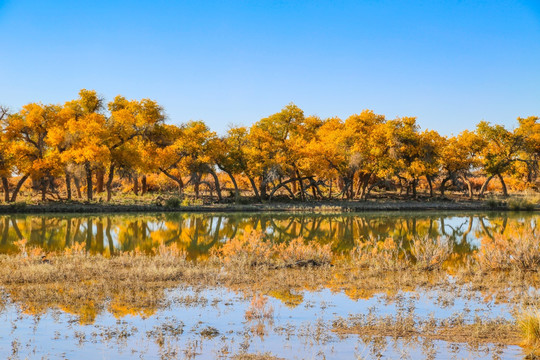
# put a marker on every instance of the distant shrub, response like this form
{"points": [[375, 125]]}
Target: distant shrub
{"points": [[19, 205], [493, 203], [192, 202], [173, 202], [526, 204]]}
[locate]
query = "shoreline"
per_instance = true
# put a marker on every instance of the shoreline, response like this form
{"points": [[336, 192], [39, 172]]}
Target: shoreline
{"points": [[314, 207]]}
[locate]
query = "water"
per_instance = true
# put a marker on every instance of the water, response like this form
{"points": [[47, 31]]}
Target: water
{"points": [[198, 233], [213, 323], [300, 332]]}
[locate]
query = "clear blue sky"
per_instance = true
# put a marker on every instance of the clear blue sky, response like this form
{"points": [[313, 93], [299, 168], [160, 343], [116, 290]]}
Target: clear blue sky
{"points": [[450, 63]]}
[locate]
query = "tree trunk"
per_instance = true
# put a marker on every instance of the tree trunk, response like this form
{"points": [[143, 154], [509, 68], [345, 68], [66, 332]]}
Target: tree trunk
{"points": [[216, 181], [136, 184], [254, 186], [469, 186], [43, 188], [413, 184], [109, 182], [89, 189], [330, 189], [301, 183], [5, 186], [442, 188], [196, 184], [294, 187], [317, 193], [363, 184], [503, 184], [77, 186], [284, 184], [484, 186], [18, 187], [430, 183], [178, 180], [100, 178], [144, 185], [68, 185], [236, 191], [262, 189]]}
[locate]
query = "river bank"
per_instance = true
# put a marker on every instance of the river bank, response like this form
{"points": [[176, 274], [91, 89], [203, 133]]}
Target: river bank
{"points": [[317, 207]]}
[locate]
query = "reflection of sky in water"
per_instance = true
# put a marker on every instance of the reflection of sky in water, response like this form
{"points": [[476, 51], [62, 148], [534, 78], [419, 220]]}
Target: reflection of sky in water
{"points": [[57, 334]]}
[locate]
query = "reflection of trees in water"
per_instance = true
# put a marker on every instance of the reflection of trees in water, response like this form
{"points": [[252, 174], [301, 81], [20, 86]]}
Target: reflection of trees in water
{"points": [[198, 233]]}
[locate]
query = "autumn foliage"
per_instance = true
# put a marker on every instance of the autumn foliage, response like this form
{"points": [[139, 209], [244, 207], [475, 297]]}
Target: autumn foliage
{"points": [[86, 147]]}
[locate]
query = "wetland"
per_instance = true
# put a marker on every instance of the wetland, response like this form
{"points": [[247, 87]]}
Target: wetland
{"points": [[270, 285]]}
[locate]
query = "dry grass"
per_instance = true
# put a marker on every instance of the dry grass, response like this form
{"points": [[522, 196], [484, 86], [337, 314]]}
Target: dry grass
{"points": [[265, 356], [252, 249], [424, 253], [453, 329], [519, 250], [431, 253], [529, 325], [136, 283], [259, 309], [386, 255]]}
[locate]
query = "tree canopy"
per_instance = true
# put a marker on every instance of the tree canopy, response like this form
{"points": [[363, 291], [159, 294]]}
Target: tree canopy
{"points": [[93, 145]]}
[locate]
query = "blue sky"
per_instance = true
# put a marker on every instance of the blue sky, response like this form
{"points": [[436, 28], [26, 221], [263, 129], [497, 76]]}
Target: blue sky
{"points": [[450, 63]]}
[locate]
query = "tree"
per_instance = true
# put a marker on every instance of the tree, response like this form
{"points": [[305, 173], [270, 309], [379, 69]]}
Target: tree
{"points": [[6, 155], [86, 129], [431, 145], [228, 153], [27, 132], [271, 147], [458, 158], [500, 148], [366, 151], [130, 129], [529, 131], [187, 149], [405, 152]]}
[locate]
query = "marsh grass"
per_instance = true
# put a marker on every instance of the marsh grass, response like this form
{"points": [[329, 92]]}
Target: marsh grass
{"points": [[253, 249], [529, 325], [519, 250], [453, 329], [259, 309], [265, 356], [424, 253], [136, 283], [430, 253]]}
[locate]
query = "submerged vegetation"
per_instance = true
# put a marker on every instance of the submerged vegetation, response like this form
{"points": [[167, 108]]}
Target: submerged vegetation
{"points": [[125, 147]]}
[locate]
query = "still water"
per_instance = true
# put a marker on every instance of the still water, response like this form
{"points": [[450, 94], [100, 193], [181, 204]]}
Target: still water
{"points": [[198, 233], [212, 322]]}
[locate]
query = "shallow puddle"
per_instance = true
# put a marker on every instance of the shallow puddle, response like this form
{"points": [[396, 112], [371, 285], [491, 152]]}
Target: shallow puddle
{"points": [[216, 323]]}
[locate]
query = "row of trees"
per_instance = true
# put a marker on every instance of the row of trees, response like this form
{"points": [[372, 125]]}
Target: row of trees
{"points": [[88, 144]]}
